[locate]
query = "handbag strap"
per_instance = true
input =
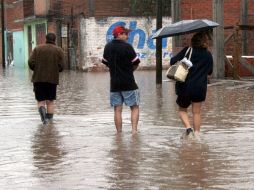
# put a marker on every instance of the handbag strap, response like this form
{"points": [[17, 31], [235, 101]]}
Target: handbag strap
{"points": [[189, 49]]}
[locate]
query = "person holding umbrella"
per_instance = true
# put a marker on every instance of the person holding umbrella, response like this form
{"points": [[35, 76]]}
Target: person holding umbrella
{"points": [[193, 90]]}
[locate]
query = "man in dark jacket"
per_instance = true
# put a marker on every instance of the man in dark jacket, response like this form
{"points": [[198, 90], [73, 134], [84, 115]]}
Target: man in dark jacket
{"points": [[46, 61], [121, 59]]}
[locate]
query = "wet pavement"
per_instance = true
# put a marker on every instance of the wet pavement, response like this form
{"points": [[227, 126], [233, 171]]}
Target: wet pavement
{"points": [[81, 150]]}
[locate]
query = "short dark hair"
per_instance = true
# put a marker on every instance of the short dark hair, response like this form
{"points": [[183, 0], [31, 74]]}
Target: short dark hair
{"points": [[50, 37]]}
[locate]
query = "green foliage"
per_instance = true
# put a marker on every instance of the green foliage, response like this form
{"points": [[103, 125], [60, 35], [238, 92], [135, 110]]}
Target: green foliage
{"points": [[148, 7]]}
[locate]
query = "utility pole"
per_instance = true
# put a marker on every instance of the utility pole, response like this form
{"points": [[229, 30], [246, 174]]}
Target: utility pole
{"points": [[159, 45], [244, 21], [72, 45], [59, 23], [218, 40], [91, 8], [176, 16], [3, 29]]}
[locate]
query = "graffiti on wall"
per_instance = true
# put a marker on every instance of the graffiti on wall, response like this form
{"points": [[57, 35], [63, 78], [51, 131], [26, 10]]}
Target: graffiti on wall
{"points": [[141, 40], [95, 33]]}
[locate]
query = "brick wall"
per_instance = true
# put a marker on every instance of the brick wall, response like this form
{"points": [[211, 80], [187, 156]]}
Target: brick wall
{"points": [[14, 15], [90, 8], [64, 7], [251, 21], [196, 9], [96, 11], [111, 8], [28, 8]]}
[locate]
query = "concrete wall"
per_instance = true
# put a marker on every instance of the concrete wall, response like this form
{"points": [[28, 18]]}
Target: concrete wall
{"points": [[95, 33]]}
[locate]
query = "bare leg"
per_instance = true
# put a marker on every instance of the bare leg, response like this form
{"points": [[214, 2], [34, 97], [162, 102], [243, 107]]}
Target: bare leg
{"points": [[50, 106], [196, 111], [184, 117], [134, 118], [41, 103], [50, 110], [118, 118]]}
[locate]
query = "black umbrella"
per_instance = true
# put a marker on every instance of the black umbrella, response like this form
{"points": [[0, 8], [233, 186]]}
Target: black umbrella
{"points": [[185, 27]]}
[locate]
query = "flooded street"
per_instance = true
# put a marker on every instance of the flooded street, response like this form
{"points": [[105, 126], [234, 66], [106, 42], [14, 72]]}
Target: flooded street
{"points": [[81, 150]]}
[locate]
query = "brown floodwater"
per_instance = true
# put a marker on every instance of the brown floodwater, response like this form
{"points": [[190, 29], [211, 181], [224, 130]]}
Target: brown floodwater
{"points": [[81, 150]]}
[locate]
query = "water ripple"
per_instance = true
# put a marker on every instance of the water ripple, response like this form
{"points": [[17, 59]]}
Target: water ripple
{"points": [[80, 149]]}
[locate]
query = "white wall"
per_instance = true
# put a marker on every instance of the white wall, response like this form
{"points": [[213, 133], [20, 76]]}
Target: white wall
{"points": [[96, 32]]}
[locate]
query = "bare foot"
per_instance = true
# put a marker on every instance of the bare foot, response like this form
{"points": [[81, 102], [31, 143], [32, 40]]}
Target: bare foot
{"points": [[134, 132], [119, 131], [197, 135]]}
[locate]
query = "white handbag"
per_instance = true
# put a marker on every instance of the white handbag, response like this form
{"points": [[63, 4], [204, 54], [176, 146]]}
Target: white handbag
{"points": [[179, 70]]}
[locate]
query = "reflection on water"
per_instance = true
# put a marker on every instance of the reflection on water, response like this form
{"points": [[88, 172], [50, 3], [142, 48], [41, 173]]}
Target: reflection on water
{"points": [[194, 163], [80, 150], [126, 158], [47, 149]]}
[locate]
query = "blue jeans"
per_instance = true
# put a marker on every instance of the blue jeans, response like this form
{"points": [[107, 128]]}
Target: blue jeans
{"points": [[130, 98]]}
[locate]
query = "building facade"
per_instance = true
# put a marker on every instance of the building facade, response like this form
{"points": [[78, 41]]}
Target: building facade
{"points": [[83, 27]]}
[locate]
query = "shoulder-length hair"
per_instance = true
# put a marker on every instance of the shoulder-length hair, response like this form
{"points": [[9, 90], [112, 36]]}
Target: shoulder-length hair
{"points": [[200, 40]]}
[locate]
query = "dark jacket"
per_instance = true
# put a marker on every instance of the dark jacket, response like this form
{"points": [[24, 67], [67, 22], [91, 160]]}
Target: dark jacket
{"points": [[121, 59], [46, 61], [196, 81]]}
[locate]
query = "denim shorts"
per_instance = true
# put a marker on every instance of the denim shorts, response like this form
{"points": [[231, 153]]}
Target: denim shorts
{"points": [[130, 98]]}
